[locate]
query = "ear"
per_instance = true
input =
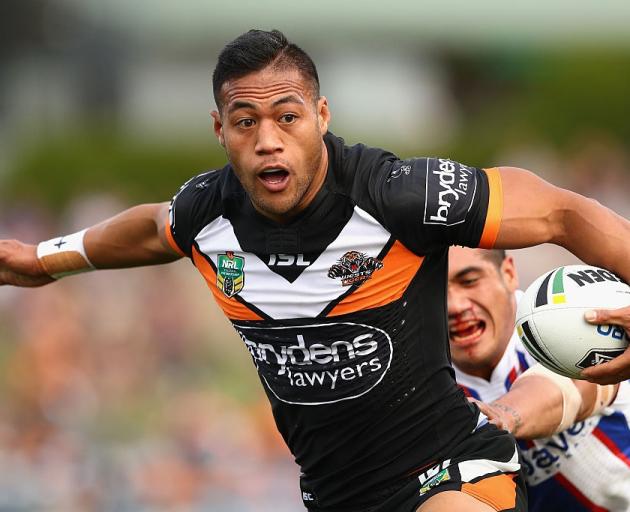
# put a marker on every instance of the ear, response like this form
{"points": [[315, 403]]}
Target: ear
{"points": [[323, 114], [509, 274], [218, 126]]}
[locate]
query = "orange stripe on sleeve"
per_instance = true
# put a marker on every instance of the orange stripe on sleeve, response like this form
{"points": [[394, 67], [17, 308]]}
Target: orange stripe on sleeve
{"points": [[232, 308], [386, 285], [170, 239], [498, 491], [495, 209]]}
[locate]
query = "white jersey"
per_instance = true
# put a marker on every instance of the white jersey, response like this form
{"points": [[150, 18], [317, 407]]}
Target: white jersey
{"points": [[584, 468]]}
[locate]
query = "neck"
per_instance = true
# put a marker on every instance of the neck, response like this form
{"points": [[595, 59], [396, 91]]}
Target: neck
{"points": [[482, 371]]}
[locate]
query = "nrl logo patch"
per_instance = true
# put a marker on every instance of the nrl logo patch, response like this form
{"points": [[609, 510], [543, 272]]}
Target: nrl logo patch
{"points": [[354, 267], [441, 477], [230, 275]]}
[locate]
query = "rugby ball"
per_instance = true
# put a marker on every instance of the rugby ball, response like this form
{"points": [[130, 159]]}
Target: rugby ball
{"points": [[550, 318]]}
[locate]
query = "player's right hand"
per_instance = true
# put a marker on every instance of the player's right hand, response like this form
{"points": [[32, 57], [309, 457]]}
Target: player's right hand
{"points": [[19, 265], [617, 369]]}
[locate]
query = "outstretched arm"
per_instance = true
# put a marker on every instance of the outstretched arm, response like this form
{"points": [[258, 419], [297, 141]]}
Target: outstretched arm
{"points": [[135, 237], [541, 403], [536, 212]]}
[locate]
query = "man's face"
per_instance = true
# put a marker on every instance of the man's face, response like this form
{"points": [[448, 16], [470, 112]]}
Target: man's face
{"points": [[481, 309], [272, 127]]}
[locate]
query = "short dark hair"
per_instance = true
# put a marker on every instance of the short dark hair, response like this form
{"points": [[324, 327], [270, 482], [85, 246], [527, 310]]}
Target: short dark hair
{"points": [[495, 256], [255, 50]]}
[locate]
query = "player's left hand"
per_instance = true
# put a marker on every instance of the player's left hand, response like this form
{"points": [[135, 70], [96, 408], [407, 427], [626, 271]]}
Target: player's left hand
{"points": [[618, 369]]}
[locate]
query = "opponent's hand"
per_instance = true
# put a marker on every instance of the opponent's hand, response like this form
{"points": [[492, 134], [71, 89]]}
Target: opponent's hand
{"points": [[617, 369], [501, 415], [19, 265]]}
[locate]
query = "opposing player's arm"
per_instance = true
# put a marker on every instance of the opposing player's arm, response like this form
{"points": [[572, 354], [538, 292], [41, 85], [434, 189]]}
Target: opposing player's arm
{"points": [[541, 403], [536, 212], [135, 237]]}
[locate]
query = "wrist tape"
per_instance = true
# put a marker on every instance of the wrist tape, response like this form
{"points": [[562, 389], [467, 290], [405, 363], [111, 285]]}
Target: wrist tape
{"points": [[571, 397], [64, 256], [606, 394]]}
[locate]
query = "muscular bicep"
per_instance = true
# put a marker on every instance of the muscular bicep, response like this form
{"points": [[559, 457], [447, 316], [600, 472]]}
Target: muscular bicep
{"points": [[135, 237], [532, 209], [535, 212]]}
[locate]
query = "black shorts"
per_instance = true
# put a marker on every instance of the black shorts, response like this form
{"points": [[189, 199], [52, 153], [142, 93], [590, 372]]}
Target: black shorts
{"points": [[486, 465]]}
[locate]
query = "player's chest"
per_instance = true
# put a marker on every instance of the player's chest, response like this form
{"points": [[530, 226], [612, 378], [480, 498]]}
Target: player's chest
{"points": [[361, 266]]}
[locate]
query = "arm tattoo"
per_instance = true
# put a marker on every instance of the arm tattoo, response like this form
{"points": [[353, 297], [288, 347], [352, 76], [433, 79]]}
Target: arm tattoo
{"points": [[516, 417]]}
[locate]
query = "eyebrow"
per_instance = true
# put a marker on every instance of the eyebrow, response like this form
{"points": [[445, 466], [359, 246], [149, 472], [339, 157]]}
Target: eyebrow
{"points": [[240, 104], [467, 270], [291, 98]]}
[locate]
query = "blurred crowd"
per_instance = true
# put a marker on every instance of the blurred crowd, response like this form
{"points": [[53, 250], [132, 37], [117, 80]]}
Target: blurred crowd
{"points": [[127, 391]]}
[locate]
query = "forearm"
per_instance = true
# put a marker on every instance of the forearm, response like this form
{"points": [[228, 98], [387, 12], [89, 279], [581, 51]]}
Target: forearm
{"points": [[541, 403], [537, 212], [532, 408], [595, 398], [595, 234], [132, 238]]}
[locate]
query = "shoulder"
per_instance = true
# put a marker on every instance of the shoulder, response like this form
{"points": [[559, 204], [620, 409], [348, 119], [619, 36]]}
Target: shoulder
{"points": [[200, 200], [205, 183], [357, 163], [208, 188]]}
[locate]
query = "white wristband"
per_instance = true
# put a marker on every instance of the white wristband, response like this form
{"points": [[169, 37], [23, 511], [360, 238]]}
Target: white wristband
{"points": [[64, 256]]}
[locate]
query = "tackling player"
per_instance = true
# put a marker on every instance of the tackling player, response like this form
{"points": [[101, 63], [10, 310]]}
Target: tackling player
{"points": [[331, 262], [574, 435]]}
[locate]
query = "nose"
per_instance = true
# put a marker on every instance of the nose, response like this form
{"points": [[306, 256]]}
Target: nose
{"points": [[458, 302], [269, 138]]}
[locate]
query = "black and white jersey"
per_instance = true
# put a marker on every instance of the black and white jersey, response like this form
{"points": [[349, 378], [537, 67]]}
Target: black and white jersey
{"points": [[344, 309]]}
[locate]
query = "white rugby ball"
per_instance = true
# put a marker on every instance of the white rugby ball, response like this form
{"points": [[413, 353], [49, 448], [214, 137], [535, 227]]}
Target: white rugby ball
{"points": [[550, 318]]}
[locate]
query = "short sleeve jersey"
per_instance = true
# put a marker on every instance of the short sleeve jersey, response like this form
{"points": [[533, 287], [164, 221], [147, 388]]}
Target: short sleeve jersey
{"points": [[343, 309]]}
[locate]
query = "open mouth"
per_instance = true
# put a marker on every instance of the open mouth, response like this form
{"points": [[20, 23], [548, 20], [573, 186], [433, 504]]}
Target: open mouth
{"points": [[466, 333], [273, 177]]}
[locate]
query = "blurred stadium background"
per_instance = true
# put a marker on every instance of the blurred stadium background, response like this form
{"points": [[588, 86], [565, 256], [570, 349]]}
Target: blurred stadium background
{"points": [[127, 391]]}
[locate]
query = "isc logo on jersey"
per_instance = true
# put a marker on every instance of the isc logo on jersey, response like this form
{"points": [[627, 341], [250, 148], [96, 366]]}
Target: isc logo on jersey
{"points": [[450, 189], [319, 364]]}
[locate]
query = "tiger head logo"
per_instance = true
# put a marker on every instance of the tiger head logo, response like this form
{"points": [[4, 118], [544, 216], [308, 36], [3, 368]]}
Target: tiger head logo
{"points": [[354, 268]]}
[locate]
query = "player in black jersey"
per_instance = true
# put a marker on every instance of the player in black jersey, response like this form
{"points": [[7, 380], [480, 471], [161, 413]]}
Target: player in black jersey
{"points": [[331, 263]]}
